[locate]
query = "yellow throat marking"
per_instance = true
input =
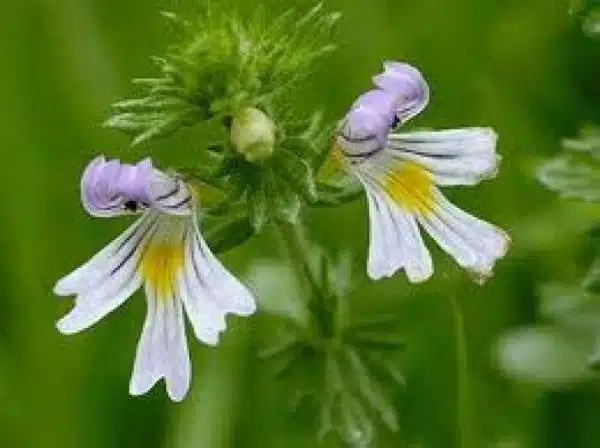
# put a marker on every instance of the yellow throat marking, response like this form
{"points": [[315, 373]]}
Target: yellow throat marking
{"points": [[410, 186], [160, 265]]}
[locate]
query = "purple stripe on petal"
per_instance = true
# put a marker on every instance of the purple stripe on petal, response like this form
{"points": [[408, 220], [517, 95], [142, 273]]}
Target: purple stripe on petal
{"points": [[107, 186], [111, 188]]}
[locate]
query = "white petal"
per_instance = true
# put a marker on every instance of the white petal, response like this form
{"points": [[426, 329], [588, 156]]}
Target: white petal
{"points": [[454, 156], [106, 282], [162, 350], [91, 308], [209, 292], [417, 259], [383, 259], [230, 294], [475, 244], [98, 268], [207, 320], [395, 239]]}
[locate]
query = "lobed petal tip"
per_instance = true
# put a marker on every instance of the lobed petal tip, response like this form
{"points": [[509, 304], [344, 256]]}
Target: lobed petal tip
{"points": [[480, 277], [66, 327], [177, 398], [61, 289]]}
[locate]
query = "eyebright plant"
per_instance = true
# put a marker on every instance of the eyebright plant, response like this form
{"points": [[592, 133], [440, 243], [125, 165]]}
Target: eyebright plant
{"points": [[268, 165]]}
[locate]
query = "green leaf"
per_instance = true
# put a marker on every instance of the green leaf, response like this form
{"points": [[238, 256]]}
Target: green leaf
{"points": [[371, 391], [544, 355], [298, 173], [588, 140], [379, 341], [223, 64], [572, 178], [591, 23], [230, 235], [258, 204], [591, 282], [559, 300], [287, 203]]}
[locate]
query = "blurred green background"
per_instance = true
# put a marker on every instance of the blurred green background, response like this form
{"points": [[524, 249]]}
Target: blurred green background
{"points": [[522, 67]]}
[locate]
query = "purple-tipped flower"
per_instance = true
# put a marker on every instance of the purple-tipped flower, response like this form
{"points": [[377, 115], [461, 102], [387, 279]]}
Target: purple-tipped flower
{"points": [[400, 173], [164, 251], [111, 188], [407, 86], [400, 93]]}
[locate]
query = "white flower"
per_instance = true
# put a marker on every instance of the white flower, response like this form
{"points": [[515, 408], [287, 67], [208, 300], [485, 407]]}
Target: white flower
{"points": [[164, 251], [401, 171]]}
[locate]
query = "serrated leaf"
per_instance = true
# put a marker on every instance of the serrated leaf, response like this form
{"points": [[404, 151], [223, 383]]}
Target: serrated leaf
{"points": [[572, 178], [149, 103], [381, 361], [230, 235], [163, 128], [371, 391]]}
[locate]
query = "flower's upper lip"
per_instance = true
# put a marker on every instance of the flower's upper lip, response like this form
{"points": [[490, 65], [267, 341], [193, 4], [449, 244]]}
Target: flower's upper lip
{"points": [[400, 93], [111, 188]]}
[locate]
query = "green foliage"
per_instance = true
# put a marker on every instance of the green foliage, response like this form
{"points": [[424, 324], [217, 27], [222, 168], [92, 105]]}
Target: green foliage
{"points": [[344, 366], [517, 67], [576, 174], [240, 74], [562, 350], [274, 189], [222, 65], [588, 12]]}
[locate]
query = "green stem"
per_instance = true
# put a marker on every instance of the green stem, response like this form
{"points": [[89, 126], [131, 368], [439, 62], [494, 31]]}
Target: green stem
{"points": [[462, 375], [297, 253]]}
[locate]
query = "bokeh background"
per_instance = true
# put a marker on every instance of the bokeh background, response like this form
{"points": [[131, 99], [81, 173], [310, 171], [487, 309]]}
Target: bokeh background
{"points": [[523, 67]]}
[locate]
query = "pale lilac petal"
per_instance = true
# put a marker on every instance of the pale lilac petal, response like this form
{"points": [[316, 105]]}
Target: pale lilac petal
{"points": [[111, 188], [408, 86], [133, 181], [381, 103], [99, 195]]}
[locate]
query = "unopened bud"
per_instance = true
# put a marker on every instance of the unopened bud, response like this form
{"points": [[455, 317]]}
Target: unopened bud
{"points": [[253, 134]]}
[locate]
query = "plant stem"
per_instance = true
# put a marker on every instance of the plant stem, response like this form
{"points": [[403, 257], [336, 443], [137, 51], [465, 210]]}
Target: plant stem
{"points": [[462, 375], [297, 253]]}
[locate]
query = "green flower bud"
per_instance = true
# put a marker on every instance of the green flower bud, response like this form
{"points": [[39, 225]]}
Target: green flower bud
{"points": [[253, 134]]}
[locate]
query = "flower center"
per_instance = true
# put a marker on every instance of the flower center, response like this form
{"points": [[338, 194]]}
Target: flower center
{"points": [[160, 265], [410, 185]]}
